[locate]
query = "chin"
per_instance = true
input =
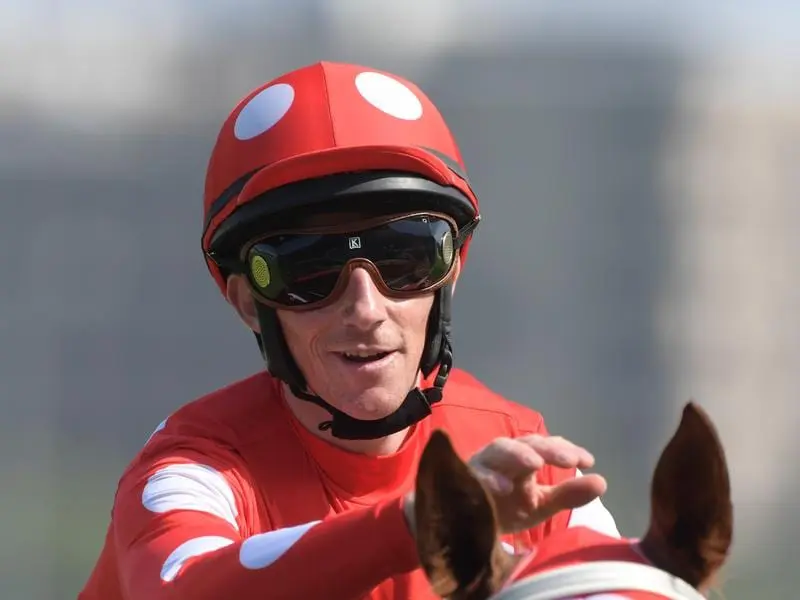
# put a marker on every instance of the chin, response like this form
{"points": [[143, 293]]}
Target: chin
{"points": [[370, 405]]}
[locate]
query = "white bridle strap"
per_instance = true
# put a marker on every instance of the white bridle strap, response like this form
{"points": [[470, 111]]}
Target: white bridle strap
{"points": [[597, 577]]}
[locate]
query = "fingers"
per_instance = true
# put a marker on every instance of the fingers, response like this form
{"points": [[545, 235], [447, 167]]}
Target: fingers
{"points": [[555, 450], [521, 456], [494, 481], [511, 457], [506, 463], [573, 493], [543, 502], [503, 461]]}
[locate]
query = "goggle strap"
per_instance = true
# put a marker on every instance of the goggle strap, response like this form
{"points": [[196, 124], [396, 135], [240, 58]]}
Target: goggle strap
{"points": [[467, 231], [230, 265]]}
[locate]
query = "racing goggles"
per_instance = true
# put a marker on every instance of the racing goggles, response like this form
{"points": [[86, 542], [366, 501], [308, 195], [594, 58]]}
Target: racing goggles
{"points": [[406, 255]]}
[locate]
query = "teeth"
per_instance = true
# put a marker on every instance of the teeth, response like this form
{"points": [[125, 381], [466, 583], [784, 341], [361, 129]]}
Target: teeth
{"points": [[362, 354]]}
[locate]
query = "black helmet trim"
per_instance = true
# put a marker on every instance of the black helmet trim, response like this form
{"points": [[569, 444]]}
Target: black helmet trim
{"points": [[364, 191], [451, 163]]}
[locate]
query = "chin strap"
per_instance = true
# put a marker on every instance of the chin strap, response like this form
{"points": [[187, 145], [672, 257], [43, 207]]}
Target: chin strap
{"points": [[415, 407]]}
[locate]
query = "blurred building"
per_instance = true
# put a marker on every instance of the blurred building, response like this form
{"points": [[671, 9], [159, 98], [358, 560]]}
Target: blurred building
{"points": [[728, 322]]}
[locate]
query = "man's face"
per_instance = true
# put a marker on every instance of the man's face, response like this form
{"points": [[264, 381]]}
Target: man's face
{"points": [[361, 353]]}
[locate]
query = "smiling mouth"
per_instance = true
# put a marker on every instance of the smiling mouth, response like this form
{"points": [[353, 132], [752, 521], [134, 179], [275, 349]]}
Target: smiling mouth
{"points": [[362, 357]]}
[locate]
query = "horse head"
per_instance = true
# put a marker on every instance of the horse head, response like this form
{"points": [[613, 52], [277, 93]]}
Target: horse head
{"points": [[685, 546]]}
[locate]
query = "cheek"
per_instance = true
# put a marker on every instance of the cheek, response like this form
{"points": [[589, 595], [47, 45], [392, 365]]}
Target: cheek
{"points": [[414, 319], [299, 331]]}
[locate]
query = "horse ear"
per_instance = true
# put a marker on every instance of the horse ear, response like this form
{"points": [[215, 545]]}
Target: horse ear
{"points": [[691, 520], [456, 527]]}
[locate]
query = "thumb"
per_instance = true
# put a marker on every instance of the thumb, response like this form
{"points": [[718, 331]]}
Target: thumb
{"points": [[574, 493]]}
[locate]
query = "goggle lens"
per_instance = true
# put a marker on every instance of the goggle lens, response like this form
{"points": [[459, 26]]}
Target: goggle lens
{"points": [[406, 255]]}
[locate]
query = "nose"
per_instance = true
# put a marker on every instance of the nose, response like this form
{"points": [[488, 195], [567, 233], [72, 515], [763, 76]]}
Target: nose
{"points": [[363, 304]]}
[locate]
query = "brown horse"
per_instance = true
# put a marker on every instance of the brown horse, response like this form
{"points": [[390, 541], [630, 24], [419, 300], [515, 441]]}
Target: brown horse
{"points": [[685, 546]]}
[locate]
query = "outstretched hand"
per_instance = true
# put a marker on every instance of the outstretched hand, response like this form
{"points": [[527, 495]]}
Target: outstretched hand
{"points": [[507, 467]]}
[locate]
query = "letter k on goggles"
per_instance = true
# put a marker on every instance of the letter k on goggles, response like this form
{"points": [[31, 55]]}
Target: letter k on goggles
{"points": [[304, 269]]}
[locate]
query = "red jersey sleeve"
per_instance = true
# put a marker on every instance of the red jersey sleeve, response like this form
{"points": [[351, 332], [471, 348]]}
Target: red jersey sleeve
{"points": [[181, 529]]}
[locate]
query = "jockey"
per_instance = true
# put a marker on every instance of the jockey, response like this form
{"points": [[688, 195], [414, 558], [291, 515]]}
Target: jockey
{"points": [[338, 215]]}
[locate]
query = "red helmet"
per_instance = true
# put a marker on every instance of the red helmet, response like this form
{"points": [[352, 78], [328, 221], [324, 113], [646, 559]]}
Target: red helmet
{"points": [[322, 120], [336, 136]]}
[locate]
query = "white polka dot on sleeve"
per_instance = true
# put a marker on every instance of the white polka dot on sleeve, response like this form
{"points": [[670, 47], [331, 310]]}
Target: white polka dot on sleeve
{"points": [[190, 487], [261, 550], [190, 549]]}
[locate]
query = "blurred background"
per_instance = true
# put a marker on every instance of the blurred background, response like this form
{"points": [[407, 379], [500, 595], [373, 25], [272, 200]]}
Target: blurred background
{"points": [[638, 168]]}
